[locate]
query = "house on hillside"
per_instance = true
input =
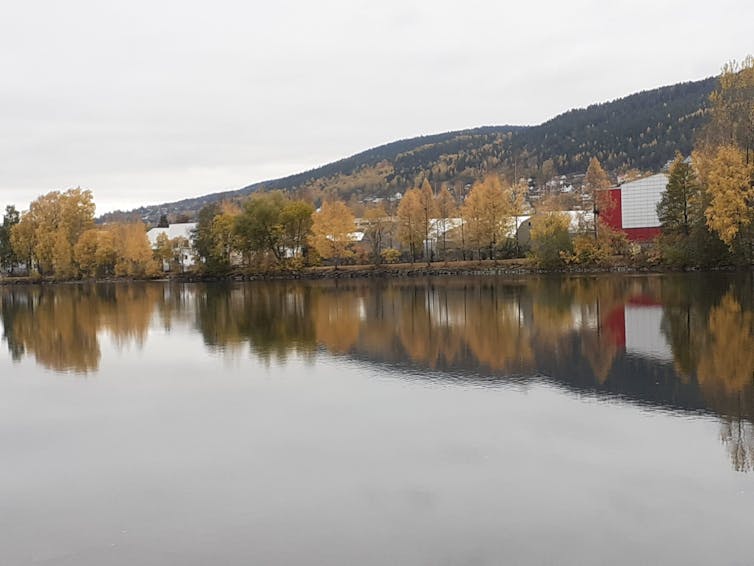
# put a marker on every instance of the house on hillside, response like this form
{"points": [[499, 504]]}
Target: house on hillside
{"points": [[185, 254]]}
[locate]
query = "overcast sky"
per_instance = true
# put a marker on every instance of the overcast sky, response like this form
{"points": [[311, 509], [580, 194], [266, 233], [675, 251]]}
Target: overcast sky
{"points": [[151, 101]]}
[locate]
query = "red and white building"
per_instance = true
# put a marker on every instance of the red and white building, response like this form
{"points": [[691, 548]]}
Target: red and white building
{"points": [[632, 207]]}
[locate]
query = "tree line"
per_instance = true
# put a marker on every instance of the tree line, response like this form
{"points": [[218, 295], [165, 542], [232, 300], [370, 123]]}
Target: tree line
{"points": [[707, 211], [271, 229], [57, 237], [706, 216]]}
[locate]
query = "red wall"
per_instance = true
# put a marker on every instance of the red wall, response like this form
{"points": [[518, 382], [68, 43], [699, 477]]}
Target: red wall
{"points": [[611, 214]]}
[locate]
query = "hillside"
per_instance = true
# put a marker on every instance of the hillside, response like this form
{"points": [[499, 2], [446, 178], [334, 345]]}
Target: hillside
{"points": [[641, 131]]}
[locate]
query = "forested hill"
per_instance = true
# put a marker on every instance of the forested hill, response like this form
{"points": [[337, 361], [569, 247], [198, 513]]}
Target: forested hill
{"points": [[640, 131]]}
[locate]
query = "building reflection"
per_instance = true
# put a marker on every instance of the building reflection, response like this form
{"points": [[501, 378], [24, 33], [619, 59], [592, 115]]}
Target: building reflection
{"points": [[683, 343]]}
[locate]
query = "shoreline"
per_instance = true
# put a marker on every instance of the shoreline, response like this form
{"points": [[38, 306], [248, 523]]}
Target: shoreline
{"points": [[500, 268]]}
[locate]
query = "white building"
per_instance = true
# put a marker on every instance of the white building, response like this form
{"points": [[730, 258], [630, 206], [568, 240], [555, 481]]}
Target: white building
{"points": [[183, 230], [639, 201]]}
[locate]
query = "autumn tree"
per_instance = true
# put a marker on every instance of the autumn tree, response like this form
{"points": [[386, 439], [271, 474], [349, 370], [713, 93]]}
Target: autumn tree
{"points": [[732, 120], [447, 209], [377, 226], [224, 237], [487, 214], [85, 252], [410, 221], [271, 223], [258, 226], [51, 228], [332, 231], [23, 241], [550, 239], [516, 195], [202, 239], [547, 171], [215, 238], [731, 189], [296, 220], [133, 252], [163, 249], [596, 179], [723, 161], [429, 211]]}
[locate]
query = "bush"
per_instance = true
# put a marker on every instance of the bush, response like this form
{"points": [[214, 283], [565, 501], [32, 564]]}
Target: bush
{"points": [[550, 242], [390, 255], [674, 250], [590, 251]]}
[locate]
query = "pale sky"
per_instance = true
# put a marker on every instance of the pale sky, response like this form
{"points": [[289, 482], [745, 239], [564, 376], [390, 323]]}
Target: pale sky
{"points": [[145, 102]]}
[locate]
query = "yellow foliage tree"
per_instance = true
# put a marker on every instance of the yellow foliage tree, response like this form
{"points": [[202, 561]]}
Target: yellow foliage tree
{"points": [[487, 213], [732, 120], [332, 231], [729, 184], [85, 252], [53, 224], [596, 180], [378, 225], [410, 221], [133, 251]]}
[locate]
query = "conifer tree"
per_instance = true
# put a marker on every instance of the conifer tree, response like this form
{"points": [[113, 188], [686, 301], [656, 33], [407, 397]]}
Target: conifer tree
{"points": [[679, 204]]}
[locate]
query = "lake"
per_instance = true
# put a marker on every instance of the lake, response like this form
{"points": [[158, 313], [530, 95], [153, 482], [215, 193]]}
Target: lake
{"points": [[480, 421]]}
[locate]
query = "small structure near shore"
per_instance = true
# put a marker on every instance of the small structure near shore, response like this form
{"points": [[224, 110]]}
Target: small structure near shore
{"points": [[632, 207], [184, 255]]}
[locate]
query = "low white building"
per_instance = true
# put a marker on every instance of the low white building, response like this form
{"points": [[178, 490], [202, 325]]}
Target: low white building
{"points": [[184, 230]]}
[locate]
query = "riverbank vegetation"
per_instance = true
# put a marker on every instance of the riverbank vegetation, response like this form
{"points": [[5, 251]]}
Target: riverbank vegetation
{"points": [[706, 216]]}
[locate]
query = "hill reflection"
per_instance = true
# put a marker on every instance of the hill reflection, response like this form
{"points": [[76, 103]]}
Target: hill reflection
{"points": [[677, 342]]}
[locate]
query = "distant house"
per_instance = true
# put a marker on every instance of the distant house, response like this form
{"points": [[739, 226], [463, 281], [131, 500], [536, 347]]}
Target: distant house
{"points": [[184, 230], [632, 207]]}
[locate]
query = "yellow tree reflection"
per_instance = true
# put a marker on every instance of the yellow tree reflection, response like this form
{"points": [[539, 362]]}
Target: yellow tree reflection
{"points": [[727, 360]]}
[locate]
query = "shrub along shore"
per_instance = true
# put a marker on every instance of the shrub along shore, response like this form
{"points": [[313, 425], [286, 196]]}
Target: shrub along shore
{"points": [[500, 268]]}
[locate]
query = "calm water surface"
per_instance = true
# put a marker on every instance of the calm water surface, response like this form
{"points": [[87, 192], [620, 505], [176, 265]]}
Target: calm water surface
{"points": [[467, 421]]}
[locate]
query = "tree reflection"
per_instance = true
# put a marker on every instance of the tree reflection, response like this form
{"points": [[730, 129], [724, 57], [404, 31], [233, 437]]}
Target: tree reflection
{"points": [[738, 436], [726, 361], [272, 320], [60, 326], [605, 334]]}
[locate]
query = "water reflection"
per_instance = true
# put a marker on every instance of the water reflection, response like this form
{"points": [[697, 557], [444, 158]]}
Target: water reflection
{"points": [[59, 326], [678, 342]]}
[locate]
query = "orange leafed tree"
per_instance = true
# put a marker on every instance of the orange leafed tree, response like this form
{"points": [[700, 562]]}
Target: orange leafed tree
{"points": [[332, 231]]}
